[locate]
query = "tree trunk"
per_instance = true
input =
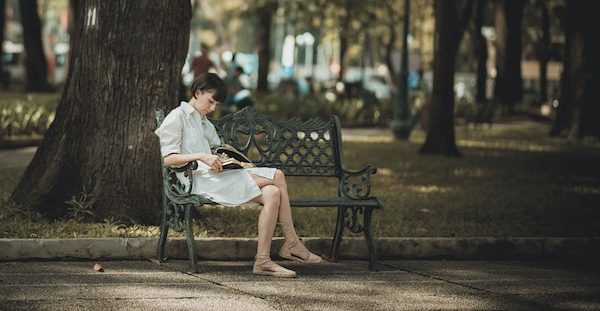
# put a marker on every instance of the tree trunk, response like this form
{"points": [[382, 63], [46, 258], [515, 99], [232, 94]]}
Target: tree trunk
{"points": [[450, 21], [584, 75], [544, 53], [74, 10], [263, 38], [344, 33], [579, 106], [391, 44], [102, 139], [2, 22], [36, 67], [509, 83], [480, 45]]}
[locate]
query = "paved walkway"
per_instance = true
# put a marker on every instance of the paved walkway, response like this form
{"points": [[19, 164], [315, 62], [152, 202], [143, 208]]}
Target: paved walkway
{"points": [[347, 285]]}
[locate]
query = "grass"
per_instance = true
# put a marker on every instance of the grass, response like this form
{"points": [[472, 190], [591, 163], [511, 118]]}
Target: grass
{"points": [[512, 180]]}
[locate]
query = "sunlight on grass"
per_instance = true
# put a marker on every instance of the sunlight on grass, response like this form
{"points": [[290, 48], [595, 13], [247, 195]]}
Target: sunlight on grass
{"points": [[384, 171], [370, 139], [461, 172], [430, 189], [508, 145]]}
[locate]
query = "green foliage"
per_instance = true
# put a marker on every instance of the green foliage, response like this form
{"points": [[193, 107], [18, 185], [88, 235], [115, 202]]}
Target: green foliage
{"points": [[81, 208], [26, 115], [352, 112]]}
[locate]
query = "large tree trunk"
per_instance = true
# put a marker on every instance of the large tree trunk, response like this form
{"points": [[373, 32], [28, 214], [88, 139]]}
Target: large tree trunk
{"points": [[263, 38], [579, 107], [36, 67], [450, 21], [544, 48], [509, 83], [480, 46], [564, 111], [125, 63], [2, 22], [590, 110]]}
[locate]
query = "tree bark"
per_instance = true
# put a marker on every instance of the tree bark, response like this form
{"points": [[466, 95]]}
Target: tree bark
{"points": [[263, 38], [480, 46], [2, 22], [579, 106], [391, 43], [509, 83], [344, 33], [450, 21], [585, 72], [126, 62], [36, 67], [544, 49]]}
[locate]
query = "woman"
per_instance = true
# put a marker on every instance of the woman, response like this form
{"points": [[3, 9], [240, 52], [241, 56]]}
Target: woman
{"points": [[187, 135]]}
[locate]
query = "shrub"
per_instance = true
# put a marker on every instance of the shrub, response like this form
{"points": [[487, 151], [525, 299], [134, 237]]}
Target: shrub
{"points": [[26, 115]]}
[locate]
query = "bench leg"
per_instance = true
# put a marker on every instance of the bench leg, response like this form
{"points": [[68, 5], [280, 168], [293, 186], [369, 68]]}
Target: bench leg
{"points": [[162, 240], [337, 236], [189, 238], [369, 238]]}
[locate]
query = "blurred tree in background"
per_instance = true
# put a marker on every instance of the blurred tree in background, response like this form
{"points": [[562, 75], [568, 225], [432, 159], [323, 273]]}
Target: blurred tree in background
{"points": [[452, 18], [35, 59], [579, 105]]}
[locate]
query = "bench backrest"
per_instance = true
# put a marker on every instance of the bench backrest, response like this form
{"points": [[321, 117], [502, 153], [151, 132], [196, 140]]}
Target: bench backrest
{"points": [[298, 148]]}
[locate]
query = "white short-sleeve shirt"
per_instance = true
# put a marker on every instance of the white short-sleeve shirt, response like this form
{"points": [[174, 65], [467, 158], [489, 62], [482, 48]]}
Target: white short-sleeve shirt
{"points": [[184, 130]]}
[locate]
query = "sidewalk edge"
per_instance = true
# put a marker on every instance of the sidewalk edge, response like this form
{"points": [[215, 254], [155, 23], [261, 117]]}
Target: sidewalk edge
{"points": [[480, 248]]}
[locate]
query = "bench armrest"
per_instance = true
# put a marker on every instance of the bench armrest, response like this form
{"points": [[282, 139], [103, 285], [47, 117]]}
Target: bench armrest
{"points": [[178, 192], [357, 184]]}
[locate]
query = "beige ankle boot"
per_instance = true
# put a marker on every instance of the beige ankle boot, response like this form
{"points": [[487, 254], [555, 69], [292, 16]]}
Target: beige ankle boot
{"points": [[263, 265]]}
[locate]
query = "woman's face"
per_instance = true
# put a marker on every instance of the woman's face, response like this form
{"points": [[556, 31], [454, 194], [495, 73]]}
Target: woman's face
{"points": [[206, 104]]}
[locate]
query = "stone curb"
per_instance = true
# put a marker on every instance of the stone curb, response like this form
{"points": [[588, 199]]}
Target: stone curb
{"points": [[484, 248]]}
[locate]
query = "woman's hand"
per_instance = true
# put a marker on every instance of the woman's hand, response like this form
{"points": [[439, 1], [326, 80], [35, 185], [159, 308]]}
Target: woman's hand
{"points": [[213, 161], [246, 165]]}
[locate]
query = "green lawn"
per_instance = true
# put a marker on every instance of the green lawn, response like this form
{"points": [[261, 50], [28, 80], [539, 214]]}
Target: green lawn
{"points": [[512, 180]]}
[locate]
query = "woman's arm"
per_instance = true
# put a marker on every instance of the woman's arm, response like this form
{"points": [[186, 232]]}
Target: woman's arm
{"points": [[176, 159]]}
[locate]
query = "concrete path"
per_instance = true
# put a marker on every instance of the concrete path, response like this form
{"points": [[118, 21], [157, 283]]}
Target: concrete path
{"points": [[19, 157], [346, 285]]}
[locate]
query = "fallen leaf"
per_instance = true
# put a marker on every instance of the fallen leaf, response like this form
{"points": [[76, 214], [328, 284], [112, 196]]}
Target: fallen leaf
{"points": [[98, 267], [154, 261]]}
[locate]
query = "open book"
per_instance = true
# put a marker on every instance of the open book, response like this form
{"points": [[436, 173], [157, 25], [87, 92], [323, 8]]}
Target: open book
{"points": [[228, 155]]}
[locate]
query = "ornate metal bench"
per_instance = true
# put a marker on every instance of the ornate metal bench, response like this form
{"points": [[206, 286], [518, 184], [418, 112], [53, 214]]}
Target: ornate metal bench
{"points": [[298, 148]]}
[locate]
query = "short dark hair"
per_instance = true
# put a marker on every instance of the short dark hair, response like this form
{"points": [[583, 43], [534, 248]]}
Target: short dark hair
{"points": [[210, 82]]}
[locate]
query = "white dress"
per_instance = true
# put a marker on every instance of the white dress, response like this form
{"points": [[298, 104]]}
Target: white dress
{"points": [[184, 130]]}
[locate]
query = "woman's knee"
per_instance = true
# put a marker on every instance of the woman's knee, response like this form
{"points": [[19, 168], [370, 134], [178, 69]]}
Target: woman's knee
{"points": [[271, 194], [279, 177]]}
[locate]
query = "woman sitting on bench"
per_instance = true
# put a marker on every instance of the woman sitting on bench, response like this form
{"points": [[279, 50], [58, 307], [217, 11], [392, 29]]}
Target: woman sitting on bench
{"points": [[187, 135]]}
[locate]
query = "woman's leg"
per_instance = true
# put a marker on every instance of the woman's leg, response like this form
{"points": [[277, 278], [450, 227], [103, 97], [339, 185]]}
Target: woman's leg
{"points": [[270, 198], [293, 247], [285, 211], [267, 219]]}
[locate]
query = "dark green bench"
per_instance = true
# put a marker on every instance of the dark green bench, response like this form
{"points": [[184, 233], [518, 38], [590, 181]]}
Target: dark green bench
{"points": [[310, 148]]}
